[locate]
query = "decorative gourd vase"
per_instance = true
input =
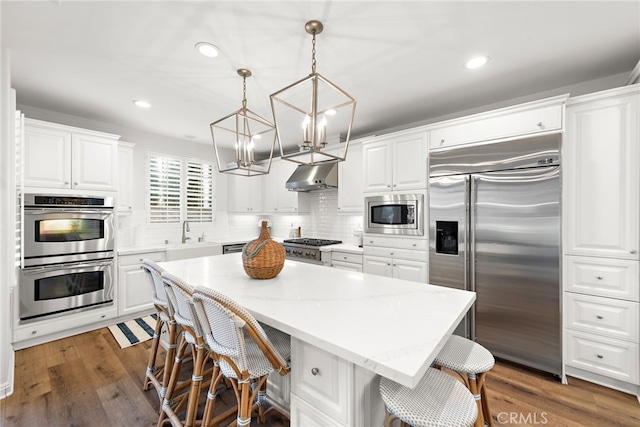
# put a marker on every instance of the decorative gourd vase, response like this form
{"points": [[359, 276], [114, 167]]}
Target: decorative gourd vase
{"points": [[263, 258]]}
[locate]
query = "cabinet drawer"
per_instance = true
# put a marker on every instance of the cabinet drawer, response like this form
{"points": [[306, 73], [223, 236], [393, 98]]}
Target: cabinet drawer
{"points": [[397, 253], [601, 276], [395, 242], [135, 259], [305, 414], [604, 356], [323, 380], [497, 125], [603, 316], [346, 257]]}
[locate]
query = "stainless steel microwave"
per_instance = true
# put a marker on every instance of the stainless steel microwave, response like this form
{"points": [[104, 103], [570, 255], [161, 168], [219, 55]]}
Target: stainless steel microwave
{"points": [[398, 214]]}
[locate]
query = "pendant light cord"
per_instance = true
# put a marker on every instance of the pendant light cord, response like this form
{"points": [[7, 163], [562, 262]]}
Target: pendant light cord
{"points": [[313, 54]]}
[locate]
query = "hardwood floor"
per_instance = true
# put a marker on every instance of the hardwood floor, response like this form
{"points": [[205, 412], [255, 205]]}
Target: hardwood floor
{"points": [[87, 380]]}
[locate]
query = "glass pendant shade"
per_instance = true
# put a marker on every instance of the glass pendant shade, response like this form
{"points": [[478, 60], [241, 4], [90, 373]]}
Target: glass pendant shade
{"points": [[243, 140], [313, 116]]}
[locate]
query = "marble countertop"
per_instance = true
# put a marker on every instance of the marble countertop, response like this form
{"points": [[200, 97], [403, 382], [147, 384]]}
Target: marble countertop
{"points": [[391, 327]]}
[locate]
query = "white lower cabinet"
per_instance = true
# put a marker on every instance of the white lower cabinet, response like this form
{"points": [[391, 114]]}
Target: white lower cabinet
{"points": [[407, 260], [346, 261], [134, 293], [321, 387]]}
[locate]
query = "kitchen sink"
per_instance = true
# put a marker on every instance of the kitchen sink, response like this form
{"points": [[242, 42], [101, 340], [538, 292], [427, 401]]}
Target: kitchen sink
{"points": [[192, 250]]}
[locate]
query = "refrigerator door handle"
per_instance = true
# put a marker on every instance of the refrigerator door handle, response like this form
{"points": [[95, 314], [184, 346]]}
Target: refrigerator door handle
{"points": [[471, 248]]}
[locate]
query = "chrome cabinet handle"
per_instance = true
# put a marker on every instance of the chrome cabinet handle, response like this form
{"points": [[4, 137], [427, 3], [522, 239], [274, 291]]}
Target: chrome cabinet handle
{"points": [[598, 316], [75, 183], [540, 125], [633, 251], [599, 356], [599, 277], [315, 371], [66, 182]]}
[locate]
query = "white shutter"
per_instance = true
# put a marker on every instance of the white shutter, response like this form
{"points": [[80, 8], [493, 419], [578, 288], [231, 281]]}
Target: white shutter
{"points": [[199, 192], [165, 176]]}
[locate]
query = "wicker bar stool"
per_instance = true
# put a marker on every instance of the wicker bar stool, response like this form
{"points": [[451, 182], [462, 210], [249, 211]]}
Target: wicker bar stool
{"points": [[158, 376], [438, 400], [246, 351], [184, 395], [471, 361]]}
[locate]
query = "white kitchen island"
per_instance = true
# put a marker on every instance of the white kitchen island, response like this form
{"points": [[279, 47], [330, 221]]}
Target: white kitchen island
{"points": [[347, 328]]}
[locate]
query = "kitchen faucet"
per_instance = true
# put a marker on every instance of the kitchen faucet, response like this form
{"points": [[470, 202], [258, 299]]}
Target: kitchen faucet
{"points": [[185, 225]]}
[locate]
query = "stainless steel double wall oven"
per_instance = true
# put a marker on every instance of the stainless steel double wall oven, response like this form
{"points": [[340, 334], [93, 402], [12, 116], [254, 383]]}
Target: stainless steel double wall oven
{"points": [[68, 248]]}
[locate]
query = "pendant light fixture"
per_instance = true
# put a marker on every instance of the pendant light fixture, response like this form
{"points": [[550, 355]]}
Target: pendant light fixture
{"points": [[243, 140], [313, 117]]}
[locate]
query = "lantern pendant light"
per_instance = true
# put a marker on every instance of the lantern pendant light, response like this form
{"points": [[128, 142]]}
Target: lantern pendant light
{"points": [[313, 117], [243, 140]]}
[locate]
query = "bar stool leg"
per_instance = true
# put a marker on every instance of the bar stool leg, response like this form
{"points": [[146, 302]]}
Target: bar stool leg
{"points": [[168, 406], [473, 387], [486, 412], [172, 330], [153, 353]]}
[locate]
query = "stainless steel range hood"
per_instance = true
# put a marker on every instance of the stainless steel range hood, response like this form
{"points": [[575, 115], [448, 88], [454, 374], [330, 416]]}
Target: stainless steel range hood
{"points": [[316, 177]]}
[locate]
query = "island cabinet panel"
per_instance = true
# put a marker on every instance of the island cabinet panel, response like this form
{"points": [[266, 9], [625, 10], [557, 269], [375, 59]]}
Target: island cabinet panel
{"points": [[58, 156], [512, 122], [134, 292], [323, 381]]}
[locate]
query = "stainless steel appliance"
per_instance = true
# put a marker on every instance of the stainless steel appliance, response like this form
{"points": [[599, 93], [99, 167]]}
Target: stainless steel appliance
{"points": [[68, 250], [306, 250], [232, 248], [398, 214], [313, 177], [67, 228], [495, 229]]}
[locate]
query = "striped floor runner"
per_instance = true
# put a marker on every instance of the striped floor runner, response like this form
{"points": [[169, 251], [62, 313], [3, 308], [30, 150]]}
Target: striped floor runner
{"points": [[134, 331]]}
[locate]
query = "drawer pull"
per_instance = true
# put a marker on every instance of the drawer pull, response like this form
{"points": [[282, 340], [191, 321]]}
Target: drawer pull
{"points": [[599, 277], [315, 371], [391, 253], [599, 356], [633, 251], [540, 125], [344, 257], [599, 316]]}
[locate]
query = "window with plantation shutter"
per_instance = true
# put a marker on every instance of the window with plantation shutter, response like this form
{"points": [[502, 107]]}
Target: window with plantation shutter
{"points": [[179, 189], [165, 187], [199, 192]]}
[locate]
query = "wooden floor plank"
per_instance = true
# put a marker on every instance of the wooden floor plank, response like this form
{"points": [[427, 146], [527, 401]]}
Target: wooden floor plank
{"points": [[88, 380]]}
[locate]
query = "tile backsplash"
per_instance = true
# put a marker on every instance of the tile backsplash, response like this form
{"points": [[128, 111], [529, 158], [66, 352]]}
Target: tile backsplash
{"points": [[323, 221]]}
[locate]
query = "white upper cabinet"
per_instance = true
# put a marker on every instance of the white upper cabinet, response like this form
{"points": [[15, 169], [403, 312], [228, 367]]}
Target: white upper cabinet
{"points": [[59, 156], [396, 163], [601, 177], [512, 122], [245, 193], [125, 177], [351, 181], [277, 198]]}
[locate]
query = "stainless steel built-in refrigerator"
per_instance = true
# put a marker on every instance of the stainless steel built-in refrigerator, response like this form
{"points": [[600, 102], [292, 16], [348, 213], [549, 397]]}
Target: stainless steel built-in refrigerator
{"points": [[495, 229]]}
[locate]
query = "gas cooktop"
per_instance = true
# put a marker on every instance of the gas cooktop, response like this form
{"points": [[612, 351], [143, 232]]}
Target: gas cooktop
{"points": [[312, 242]]}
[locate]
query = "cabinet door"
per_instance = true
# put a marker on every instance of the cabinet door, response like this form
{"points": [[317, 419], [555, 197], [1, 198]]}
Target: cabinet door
{"points": [[377, 162], [351, 181], [286, 201], [410, 163], [47, 158], [245, 194], [377, 265], [410, 270], [134, 294], [125, 177], [94, 162], [601, 181]]}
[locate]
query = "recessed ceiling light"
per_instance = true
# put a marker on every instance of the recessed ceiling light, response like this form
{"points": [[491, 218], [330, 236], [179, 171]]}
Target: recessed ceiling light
{"points": [[476, 62], [142, 104], [207, 49]]}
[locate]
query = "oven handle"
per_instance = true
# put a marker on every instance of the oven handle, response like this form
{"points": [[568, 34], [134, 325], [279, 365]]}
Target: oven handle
{"points": [[31, 211], [37, 270]]}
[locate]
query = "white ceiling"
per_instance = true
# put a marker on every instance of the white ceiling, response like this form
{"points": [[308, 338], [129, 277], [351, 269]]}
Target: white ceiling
{"points": [[402, 60]]}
